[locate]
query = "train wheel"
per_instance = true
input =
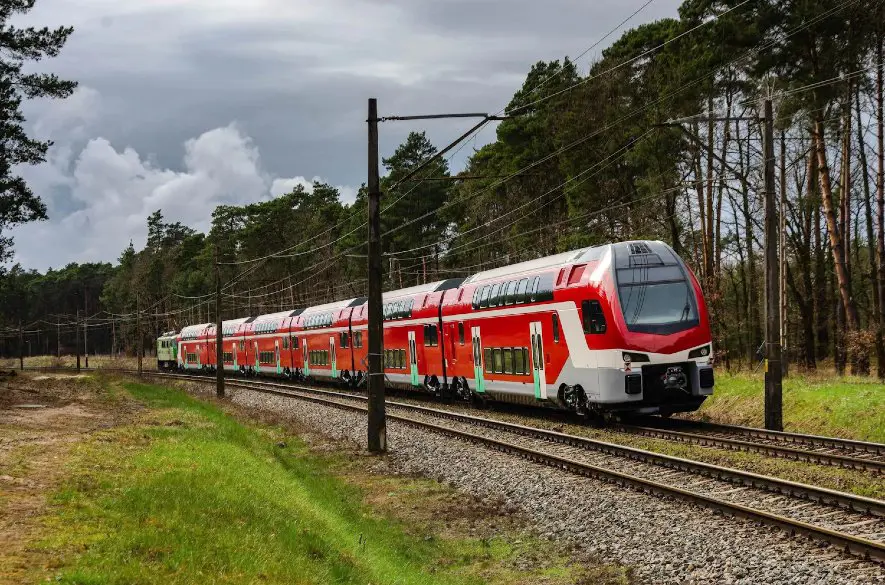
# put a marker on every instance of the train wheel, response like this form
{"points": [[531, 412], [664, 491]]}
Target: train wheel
{"points": [[575, 399]]}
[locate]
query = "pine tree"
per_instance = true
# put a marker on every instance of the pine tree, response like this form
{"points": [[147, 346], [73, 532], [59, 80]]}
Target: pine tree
{"points": [[18, 46]]}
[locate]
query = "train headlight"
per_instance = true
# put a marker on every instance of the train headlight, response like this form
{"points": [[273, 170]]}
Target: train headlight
{"points": [[632, 356], [700, 352], [627, 358]]}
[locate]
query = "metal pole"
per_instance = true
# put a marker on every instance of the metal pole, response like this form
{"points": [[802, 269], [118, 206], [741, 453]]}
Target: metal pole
{"points": [[782, 228], [77, 337], [773, 370], [138, 341], [377, 428], [85, 327], [58, 337], [21, 348], [219, 358]]}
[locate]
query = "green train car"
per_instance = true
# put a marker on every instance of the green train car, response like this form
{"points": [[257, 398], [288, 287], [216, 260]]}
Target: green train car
{"points": [[167, 351]]}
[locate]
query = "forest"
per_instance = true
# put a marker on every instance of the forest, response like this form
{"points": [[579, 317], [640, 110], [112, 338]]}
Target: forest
{"points": [[660, 138]]}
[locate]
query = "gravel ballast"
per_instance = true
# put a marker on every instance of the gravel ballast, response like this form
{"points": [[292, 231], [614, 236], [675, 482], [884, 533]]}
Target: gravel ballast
{"points": [[663, 540]]}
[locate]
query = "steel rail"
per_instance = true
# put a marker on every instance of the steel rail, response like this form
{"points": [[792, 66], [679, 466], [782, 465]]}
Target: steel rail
{"points": [[661, 431], [818, 494], [853, 544], [782, 436], [846, 461]]}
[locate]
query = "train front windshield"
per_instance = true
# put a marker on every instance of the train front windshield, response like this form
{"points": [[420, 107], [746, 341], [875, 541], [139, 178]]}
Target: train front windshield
{"points": [[657, 299]]}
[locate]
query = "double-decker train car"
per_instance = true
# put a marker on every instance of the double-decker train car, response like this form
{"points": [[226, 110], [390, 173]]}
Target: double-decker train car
{"points": [[269, 339], [619, 327], [193, 347], [322, 336]]}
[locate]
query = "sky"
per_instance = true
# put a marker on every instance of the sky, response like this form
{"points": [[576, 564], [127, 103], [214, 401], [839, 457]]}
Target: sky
{"points": [[187, 104]]}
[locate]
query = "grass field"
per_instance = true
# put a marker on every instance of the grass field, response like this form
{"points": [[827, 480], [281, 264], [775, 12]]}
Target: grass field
{"points": [[821, 404], [188, 493]]}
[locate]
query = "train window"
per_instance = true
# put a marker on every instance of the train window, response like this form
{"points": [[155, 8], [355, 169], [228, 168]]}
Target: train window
{"points": [[508, 361], [461, 333], [402, 358], [593, 317], [510, 296], [294, 343], [498, 356], [242, 346], [358, 342], [431, 337], [532, 291], [411, 306], [495, 295], [576, 274], [285, 343], [544, 291], [490, 369], [484, 298], [520, 290], [518, 360], [476, 292], [559, 278], [555, 328], [344, 339]]}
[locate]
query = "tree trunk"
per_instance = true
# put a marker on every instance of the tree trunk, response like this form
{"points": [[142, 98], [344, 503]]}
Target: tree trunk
{"points": [[820, 276], [836, 242], [880, 198], [871, 233]]}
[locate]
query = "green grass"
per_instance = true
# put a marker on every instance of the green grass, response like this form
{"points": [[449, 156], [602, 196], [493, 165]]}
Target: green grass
{"points": [[191, 495], [850, 407]]}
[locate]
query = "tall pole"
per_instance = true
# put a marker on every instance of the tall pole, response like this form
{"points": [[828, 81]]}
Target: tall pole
{"points": [[77, 337], [85, 327], [21, 347], [58, 337], [773, 370], [782, 231], [138, 341], [219, 359], [377, 429]]}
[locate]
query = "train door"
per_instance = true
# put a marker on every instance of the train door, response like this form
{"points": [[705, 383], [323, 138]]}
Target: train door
{"points": [[477, 360], [257, 360], [413, 359], [276, 349], [233, 353], [306, 356], [332, 356], [540, 379]]}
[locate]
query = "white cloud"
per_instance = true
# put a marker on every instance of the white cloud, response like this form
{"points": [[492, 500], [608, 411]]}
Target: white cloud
{"points": [[113, 190]]}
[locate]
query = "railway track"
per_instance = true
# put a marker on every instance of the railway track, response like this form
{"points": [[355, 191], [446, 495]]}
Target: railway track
{"points": [[830, 451], [833, 451], [852, 523]]}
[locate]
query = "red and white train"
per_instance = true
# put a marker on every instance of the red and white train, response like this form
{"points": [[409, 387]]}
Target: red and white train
{"points": [[619, 327]]}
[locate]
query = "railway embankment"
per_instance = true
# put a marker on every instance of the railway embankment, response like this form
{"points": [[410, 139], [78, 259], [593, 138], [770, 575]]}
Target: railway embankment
{"points": [[818, 404], [666, 540], [111, 481]]}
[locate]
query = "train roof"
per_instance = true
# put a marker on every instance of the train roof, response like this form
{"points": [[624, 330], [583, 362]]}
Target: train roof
{"points": [[333, 306], [168, 334], [277, 316], [430, 287], [236, 322], [193, 331], [530, 266]]}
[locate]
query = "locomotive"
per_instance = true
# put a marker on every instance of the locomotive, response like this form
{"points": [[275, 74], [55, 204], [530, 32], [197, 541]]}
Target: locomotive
{"points": [[621, 327]]}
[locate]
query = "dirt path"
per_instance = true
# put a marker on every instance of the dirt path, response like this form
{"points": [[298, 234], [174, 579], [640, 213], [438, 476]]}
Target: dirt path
{"points": [[42, 418]]}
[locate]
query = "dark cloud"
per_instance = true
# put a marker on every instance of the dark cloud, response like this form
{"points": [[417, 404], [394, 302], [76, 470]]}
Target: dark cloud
{"points": [[294, 78]]}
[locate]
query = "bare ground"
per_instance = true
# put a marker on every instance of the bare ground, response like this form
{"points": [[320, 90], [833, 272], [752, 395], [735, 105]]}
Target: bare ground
{"points": [[42, 418]]}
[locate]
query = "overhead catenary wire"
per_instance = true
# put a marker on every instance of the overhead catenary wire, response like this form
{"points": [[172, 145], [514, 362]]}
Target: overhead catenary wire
{"points": [[755, 48]]}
